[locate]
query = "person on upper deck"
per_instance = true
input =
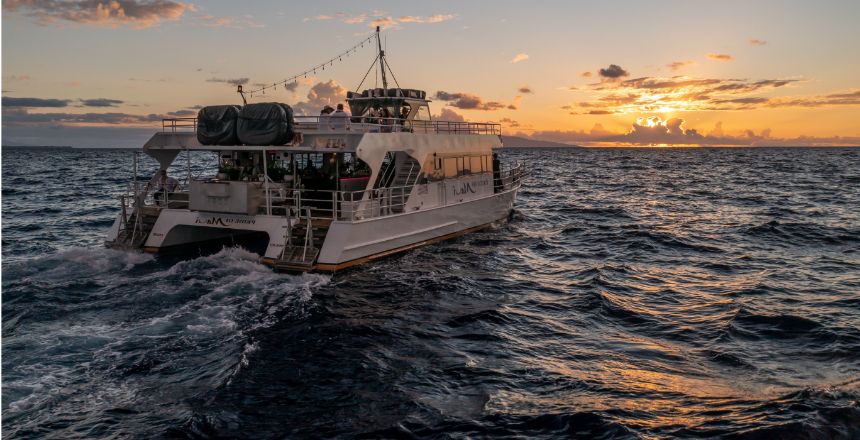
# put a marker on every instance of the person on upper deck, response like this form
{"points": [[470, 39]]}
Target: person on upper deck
{"points": [[339, 120], [387, 120], [373, 115], [324, 114]]}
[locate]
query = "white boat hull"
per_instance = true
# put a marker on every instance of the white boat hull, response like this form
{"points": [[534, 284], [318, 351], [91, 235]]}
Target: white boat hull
{"points": [[350, 243]]}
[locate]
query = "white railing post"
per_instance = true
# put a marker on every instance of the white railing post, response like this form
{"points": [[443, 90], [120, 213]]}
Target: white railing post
{"points": [[334, 205], [266, 184]]}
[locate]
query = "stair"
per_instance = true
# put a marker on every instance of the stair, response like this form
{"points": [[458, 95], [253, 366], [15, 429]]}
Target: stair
{"points": [[301, 254], [406, 175], [128, 237]]}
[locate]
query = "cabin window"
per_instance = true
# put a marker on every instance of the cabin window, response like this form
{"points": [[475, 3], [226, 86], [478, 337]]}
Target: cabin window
{"points": [[451, 169], [475, 162], [423, 113]]}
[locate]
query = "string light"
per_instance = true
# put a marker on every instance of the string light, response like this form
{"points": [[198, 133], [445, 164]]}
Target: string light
{"points": [[330, 63]]}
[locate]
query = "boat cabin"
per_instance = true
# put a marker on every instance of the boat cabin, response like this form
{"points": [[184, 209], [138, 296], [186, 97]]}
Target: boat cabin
{"points": [[402, 106]]}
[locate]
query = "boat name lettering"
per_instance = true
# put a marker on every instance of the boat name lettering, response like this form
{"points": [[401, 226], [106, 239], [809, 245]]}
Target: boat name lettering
{"points": [[465, 187], [224, 221]]}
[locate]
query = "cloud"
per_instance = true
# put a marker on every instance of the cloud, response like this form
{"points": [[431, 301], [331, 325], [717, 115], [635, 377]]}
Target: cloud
{"points": [[757, 42], [654, 130], [684, 93], [468, 101], [150, 80], [320, 95], [509, 122], [719, 57], [18, 78], [34, 102], [613, 72], [519, 57], [449, 115], [850, 98], [22, 116], [138, 14], [232, 81], [100, 102], [586, 74], [212, 21], [383, 20], [438, 18], [182, 113], [678, 65], [525, 89]]}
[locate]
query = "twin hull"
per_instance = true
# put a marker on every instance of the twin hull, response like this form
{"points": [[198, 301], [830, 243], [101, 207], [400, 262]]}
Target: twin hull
{"points": [[347, 242]]}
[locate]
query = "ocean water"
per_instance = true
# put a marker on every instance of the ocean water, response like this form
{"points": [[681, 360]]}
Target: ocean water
{"points": [[633, 293]]}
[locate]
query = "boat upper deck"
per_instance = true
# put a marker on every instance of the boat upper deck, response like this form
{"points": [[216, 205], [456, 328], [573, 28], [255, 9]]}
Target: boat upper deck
{"points": [[319, 133]]}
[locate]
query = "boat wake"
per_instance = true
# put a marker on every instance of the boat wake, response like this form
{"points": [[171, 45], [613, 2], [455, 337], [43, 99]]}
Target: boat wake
{"points": [[93, 334]]}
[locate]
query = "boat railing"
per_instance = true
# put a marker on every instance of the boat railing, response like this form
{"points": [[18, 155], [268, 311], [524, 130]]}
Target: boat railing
{"points": [[173, 125], [361, 125], [339, 205], [279, 199], [394, 125], [369, 203]]}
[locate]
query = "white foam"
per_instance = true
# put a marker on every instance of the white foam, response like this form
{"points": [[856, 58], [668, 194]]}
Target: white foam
{"points": [[225, 297]]}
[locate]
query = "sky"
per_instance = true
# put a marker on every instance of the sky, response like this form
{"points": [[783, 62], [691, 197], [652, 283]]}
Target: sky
{"points": [[97, 73]]}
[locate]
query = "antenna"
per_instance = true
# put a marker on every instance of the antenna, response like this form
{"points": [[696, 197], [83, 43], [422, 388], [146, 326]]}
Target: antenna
{"points": [[381, 60]]}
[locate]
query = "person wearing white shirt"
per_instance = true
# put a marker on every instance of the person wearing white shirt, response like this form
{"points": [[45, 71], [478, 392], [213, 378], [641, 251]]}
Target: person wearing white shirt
{"points": [[160, 183], [339, 120]]}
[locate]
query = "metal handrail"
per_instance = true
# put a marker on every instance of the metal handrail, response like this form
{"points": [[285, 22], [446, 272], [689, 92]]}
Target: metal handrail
{"points": [[331, 204], [363, 125], [173, 125], [375, 202]]}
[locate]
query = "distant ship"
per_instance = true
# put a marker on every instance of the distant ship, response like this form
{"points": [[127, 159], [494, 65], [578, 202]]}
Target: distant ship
{"points": [[324, 192]]}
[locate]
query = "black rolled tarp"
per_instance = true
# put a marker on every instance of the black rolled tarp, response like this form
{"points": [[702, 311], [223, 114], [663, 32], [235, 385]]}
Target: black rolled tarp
{"points": [[216, 125], [266, 123]]}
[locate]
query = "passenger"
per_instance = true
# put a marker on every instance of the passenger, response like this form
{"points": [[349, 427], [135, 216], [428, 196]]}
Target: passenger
{"points": [[339, 120], [404, 113], [373, 115], [310, 170], [162, 182], [324, 115], [387, 120]]}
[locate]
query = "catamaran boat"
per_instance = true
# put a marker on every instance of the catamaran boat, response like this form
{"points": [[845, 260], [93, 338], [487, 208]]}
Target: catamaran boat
{"points": [[324, 193]]}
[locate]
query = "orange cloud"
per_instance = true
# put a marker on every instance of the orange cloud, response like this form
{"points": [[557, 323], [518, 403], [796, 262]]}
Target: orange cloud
{"points": [[719, 57], [438, 18], [654, 130], [757, 42], [449, 115], [519, 58], [381, 19], [678, 65], [468, 101], [683, 93], [229, 22]]}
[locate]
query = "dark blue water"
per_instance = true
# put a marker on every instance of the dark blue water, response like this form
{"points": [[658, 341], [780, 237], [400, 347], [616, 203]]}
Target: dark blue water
{"points": [[634, 293]]}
